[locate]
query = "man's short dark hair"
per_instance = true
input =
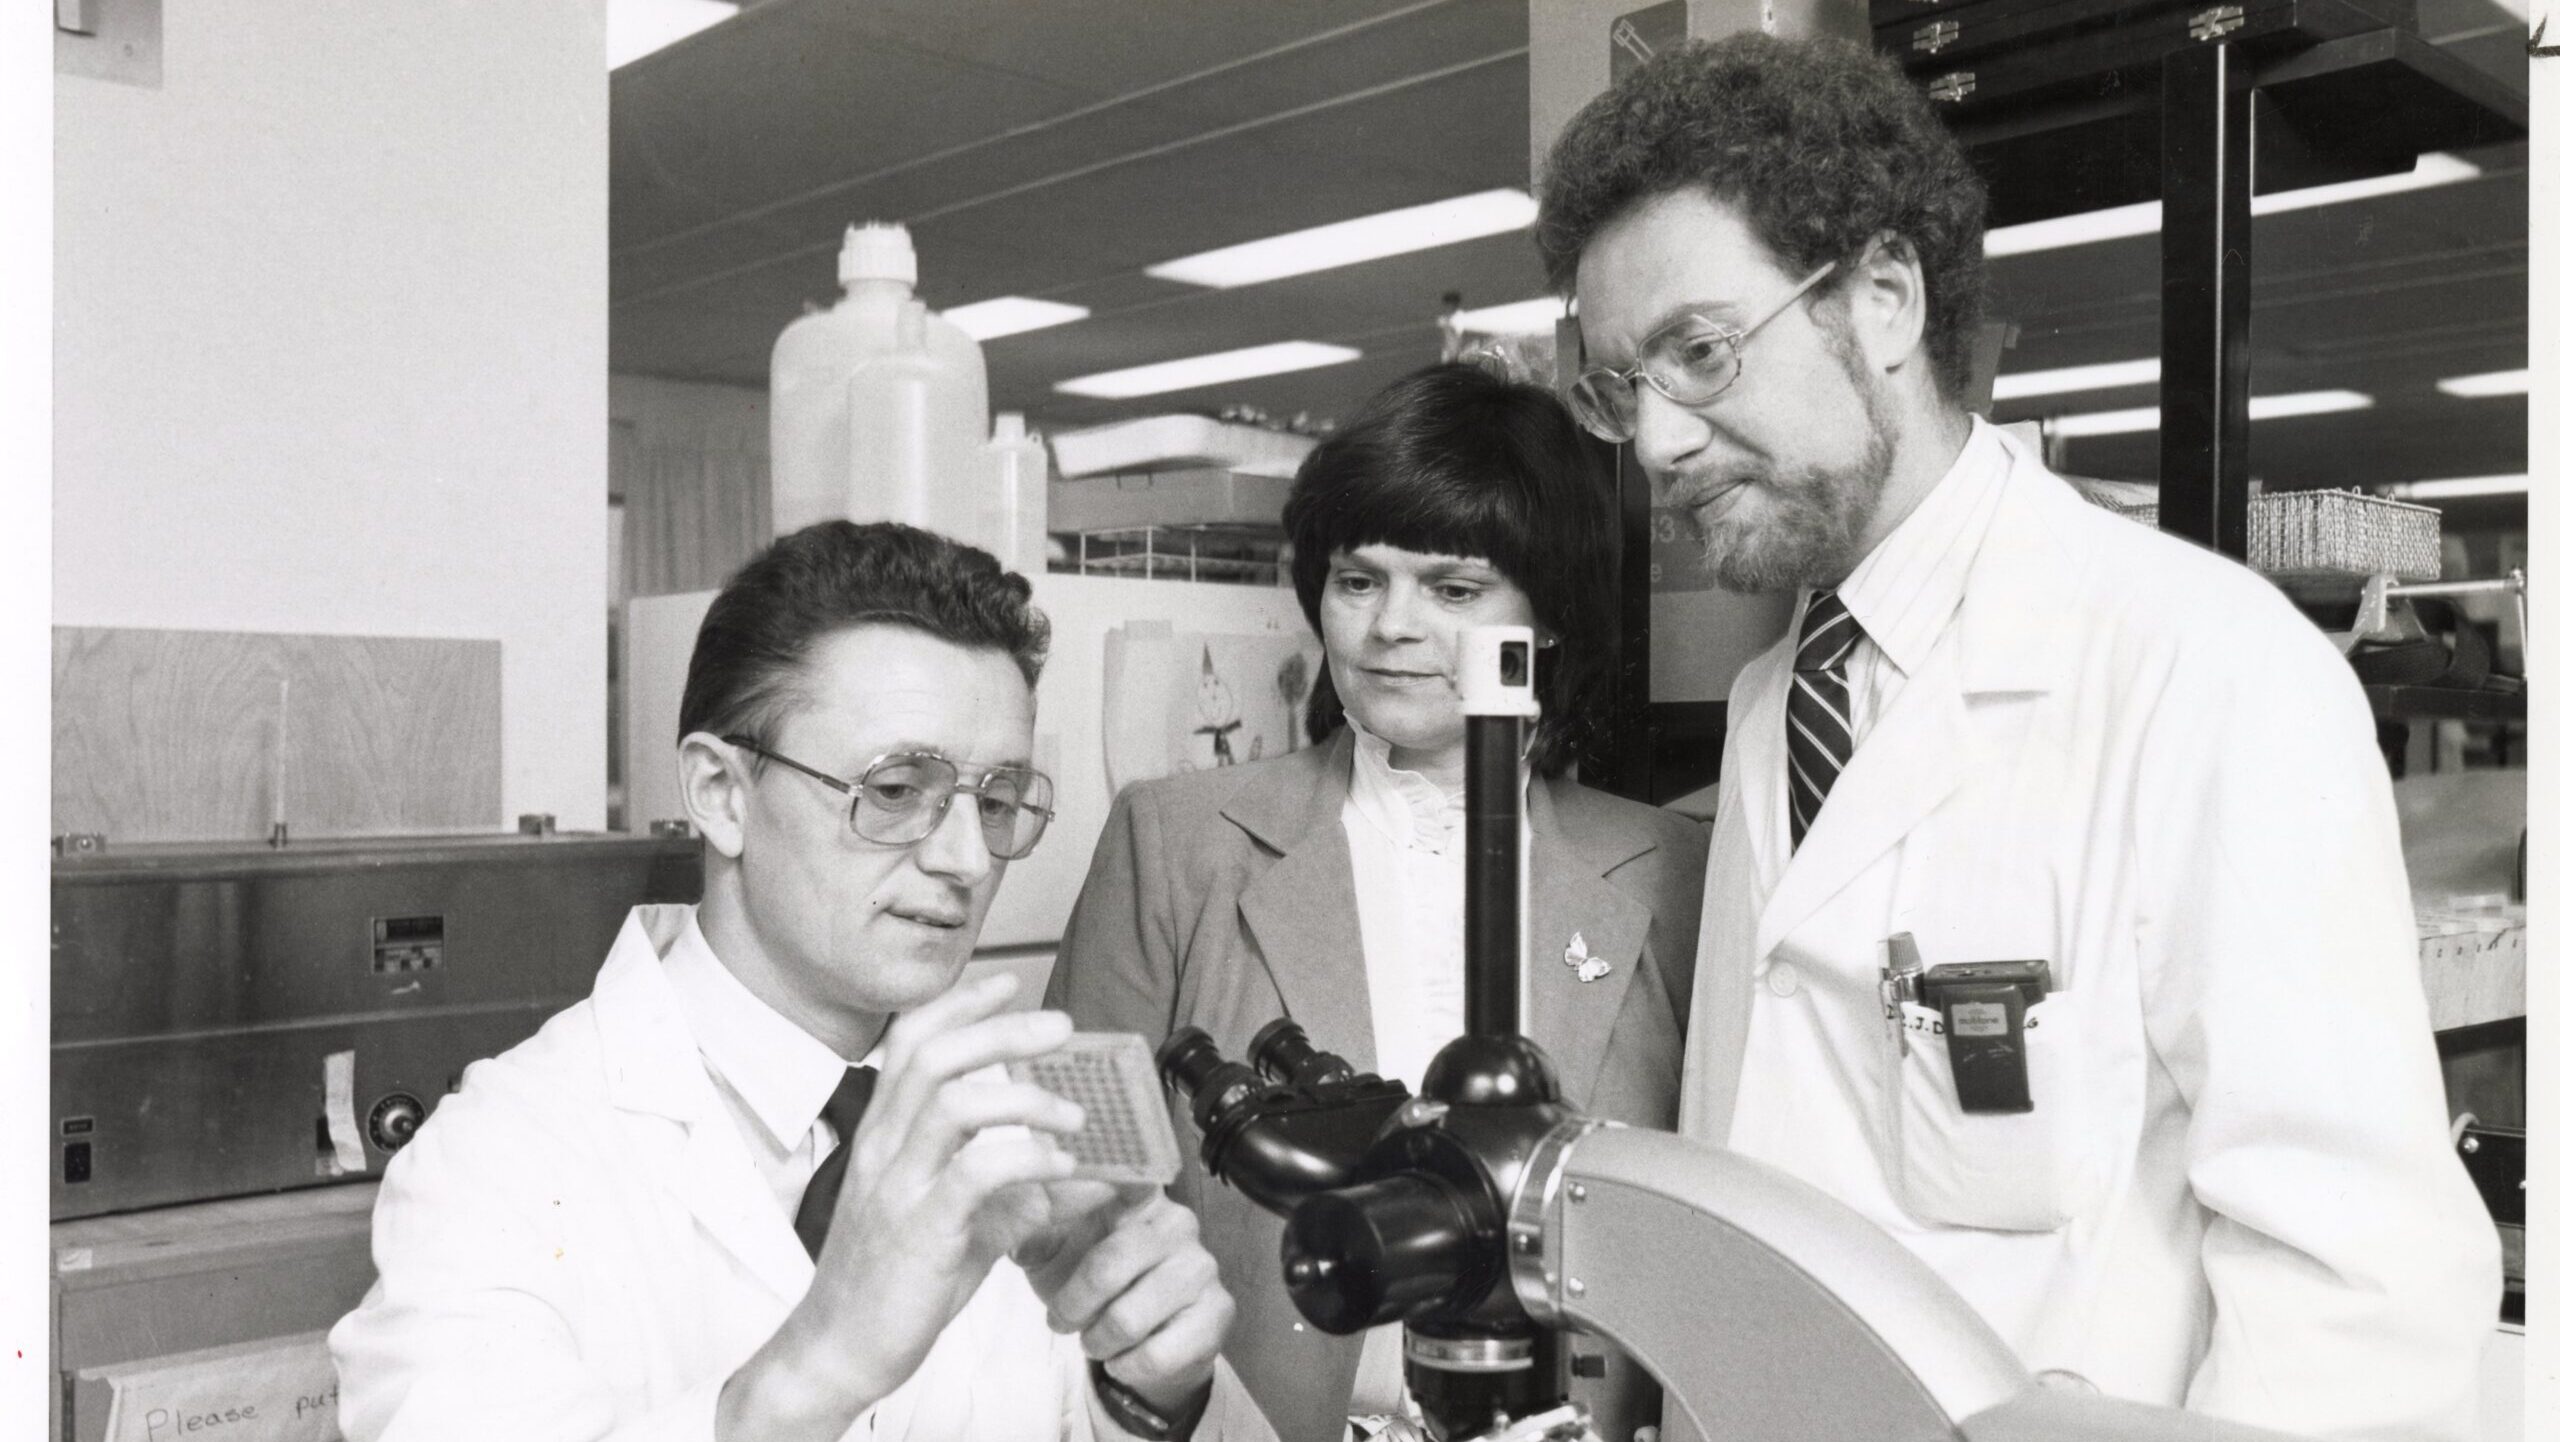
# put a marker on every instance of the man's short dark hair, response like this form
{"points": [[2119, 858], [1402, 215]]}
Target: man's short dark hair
{"points": [[1456, 461], [755, 640], [1821, 145]]}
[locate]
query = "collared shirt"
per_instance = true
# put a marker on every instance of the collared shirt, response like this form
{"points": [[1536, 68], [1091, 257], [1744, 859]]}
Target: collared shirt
{"points": [[1906, 590], [1408, 843], [2232, 1043], [1409, 876], [773, 1077], [577, 1244], [1903, 594], [1807, 1081]]}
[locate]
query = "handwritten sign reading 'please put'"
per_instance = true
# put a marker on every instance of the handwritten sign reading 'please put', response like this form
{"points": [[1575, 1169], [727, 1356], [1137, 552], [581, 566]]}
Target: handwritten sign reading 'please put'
{"points": [[282, 1390]]}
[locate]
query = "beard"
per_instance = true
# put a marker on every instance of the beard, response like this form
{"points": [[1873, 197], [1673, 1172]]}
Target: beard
{"points": [[1811, 520]]}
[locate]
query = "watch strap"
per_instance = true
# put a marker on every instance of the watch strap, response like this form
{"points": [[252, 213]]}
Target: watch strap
{"points": [[1137, 1416]]}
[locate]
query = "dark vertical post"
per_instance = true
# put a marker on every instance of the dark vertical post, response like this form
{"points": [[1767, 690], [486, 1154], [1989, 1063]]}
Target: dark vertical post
{"points": [[2206, 160], [1494, 901], [1629, 771]]}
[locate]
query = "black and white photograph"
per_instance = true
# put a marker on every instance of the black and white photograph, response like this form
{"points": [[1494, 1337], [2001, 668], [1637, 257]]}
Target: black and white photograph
{"points": [[1274, 720]]}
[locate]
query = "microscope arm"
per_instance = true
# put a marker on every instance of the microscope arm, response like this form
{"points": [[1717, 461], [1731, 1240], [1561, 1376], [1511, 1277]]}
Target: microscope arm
{"points": [[1772, 1313]]}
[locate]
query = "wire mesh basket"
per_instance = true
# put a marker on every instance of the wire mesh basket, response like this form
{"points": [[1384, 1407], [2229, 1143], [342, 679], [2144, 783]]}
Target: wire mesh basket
{"points": [[1242, 555], [2332, 532], [2329, 533]]}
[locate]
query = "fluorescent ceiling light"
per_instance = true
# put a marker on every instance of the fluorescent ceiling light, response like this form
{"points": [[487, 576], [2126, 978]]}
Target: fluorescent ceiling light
{"points": [[2076, 378], [2488, 383], [1535, 316], [1349, 242], [2434, 168], [2086, 228], [1209, 370], [1011, 315], [2261, 408], [2307, 403], [2107, 423], [2456, 487], [633, 28]]}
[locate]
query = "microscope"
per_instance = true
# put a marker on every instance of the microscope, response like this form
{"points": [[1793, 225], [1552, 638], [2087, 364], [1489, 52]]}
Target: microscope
{"points": [[1491, 1218]]}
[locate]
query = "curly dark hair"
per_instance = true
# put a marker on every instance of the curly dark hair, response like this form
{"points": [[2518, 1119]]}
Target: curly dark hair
{"points": [[747, 658], [1821, 144], [1454, 460]]}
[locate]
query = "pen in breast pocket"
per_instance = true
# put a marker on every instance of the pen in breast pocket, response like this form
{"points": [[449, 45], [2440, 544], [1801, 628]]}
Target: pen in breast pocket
{"points": [[1899, 981]]}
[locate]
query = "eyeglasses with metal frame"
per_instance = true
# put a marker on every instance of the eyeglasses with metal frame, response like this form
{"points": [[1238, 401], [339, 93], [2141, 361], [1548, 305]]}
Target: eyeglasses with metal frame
{"points": [[1688, 360], [900, 798]]}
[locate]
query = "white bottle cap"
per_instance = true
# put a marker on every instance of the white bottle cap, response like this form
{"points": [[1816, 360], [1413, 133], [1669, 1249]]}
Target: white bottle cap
{"points": [[877, 251], [1009, 426]]}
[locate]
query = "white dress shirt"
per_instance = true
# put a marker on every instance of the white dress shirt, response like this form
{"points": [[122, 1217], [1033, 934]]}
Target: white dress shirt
{"points": [[773, 1077], [1903, 595], [1907, 589], [588, 1238], [1409, 874], [1408, 843]]}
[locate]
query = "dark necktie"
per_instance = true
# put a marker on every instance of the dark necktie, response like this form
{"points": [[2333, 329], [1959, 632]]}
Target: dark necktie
{"points": [[843, 1111], [1818, 735]]}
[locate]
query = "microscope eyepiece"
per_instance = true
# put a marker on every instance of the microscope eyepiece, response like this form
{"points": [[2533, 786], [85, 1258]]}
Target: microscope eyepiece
{"points": [[1191, 1062], [1281, 1052]]}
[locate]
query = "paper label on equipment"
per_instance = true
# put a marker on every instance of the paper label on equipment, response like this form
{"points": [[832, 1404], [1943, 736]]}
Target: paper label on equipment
{"points": [[338, 1076], [1978, 1018], [281, 1392]]}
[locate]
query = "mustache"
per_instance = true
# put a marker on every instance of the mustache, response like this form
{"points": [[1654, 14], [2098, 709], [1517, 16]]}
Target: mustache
{"points": [[1688, 495]]}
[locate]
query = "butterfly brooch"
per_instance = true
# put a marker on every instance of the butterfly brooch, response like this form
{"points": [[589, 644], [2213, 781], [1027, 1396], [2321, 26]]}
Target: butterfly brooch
{"points": [[1586, 967]]}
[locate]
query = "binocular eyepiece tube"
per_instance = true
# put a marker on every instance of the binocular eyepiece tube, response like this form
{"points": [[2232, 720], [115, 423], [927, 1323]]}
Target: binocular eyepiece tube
{"points": [[1282, 1052]]}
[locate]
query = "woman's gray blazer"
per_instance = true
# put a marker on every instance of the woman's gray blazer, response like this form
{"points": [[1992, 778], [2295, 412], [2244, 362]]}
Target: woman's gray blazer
{"points": [[1223, 899]]}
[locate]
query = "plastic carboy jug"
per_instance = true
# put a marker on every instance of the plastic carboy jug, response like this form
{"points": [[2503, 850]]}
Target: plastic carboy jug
{"points": [[879, 406], [1013, 514]]}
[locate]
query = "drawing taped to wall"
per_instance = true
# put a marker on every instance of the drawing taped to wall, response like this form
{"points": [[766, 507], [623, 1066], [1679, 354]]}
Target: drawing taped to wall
{"points": [[1182, 701]]}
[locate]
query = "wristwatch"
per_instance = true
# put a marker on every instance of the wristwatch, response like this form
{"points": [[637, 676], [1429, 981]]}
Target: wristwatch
{"points": [[1139, 1417]]}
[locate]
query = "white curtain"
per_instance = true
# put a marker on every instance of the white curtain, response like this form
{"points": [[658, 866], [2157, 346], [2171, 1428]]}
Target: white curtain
{"points": [[688, 464]]}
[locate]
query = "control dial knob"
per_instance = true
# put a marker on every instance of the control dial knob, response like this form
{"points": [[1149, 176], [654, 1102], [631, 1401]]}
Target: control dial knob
{"points": [[395, 1119]]}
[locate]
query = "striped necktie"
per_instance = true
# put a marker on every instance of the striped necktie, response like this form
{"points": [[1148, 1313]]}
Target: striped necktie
{"points": [[1818, 734], [843, 1111]]}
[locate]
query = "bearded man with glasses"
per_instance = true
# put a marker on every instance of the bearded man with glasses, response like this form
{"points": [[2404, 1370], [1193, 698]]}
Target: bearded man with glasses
{"points": [[2023, 731], [770, 1180]]}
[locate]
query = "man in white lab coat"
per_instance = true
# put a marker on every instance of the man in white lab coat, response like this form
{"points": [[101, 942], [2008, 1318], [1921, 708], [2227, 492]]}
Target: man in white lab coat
{"points": [[677, 1212], [2019, 729]]}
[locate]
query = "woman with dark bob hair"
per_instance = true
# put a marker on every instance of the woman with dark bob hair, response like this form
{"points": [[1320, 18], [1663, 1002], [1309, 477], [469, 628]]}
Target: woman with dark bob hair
{"points": [[1327, 885]]}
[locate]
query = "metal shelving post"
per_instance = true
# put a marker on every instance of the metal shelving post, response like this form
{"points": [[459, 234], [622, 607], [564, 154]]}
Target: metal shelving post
{"points": [[2208, 98]]}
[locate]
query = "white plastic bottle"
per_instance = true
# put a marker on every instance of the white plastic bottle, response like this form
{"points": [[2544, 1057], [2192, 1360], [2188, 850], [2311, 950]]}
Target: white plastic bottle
{"points": [[1013, 516], [879, 407]]}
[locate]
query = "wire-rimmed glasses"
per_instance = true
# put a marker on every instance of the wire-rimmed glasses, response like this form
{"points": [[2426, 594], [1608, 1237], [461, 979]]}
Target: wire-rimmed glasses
{"points": [[1689, 361], [900, 798]]}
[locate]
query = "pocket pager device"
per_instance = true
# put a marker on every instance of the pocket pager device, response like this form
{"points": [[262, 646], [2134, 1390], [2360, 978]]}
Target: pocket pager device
{"points": [[1985, 1005], [1112, 1075]]}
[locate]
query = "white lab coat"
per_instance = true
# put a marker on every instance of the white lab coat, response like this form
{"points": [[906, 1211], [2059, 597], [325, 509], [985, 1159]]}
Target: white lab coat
{"points": [[2138, 762], [578, 1245]]}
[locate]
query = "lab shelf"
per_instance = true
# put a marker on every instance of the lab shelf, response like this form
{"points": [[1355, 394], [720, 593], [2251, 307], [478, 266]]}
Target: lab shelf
{"points": [[2327, 113], [2438, 703]]}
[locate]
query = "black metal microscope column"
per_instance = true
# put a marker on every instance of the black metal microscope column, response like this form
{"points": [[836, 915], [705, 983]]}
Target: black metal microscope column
{"points": [[1497, 900], [1399, 1208], [1474, 1371]]}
